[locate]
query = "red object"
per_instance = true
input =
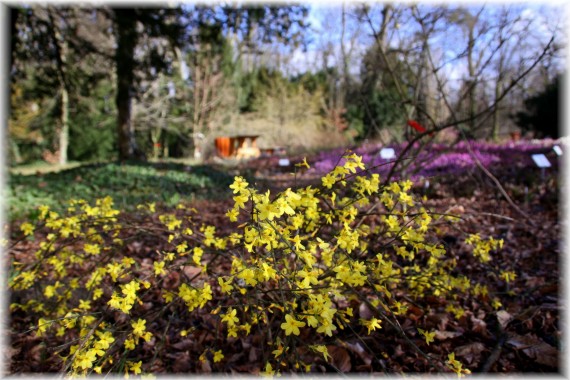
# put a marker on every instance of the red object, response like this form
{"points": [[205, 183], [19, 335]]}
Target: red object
{"points": [[224, 146], [414, 124]]}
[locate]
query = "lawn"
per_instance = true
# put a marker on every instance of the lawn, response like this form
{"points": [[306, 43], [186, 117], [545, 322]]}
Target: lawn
{"points": [[129, 185]]}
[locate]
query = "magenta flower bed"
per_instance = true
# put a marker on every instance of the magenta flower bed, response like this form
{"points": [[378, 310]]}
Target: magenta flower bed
{"points": [[439, 159]]}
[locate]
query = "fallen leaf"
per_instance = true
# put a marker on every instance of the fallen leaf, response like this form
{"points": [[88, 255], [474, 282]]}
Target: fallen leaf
{"points": [[364, 311], [439, 319], [340, 358], [360, 351], [183, 345], [535, 348], [470, 352], [504, 318], [442, 335], [252, 355], [171, 281], [182, 362], [191, 271], [235, 357], [135, 248], [455, 210], [479, 326], [245, 368], [206, 367], [157, 366], [398, 351], [415, 313], [534, 282]]}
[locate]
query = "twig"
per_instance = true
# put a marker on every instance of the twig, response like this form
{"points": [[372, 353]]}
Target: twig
{"points": [[499, 185], [497, 216], [495, 355]]}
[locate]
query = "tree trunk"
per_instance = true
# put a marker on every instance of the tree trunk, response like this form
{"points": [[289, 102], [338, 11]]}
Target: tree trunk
{"points": [[15, 150], [179, 62], [125, 64], [471, 69], [64, 133], [340, 101], [496, 110], [14, 12], [61, 48]]}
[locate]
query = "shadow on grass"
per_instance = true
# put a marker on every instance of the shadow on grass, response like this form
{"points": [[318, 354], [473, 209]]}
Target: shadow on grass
{"points": [[129, 184]]}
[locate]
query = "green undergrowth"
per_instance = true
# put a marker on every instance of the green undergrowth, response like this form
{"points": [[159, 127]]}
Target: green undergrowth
{"points": [[128, 184]]}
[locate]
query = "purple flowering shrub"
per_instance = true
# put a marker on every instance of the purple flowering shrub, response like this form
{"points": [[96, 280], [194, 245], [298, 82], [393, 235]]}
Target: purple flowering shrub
{"points": [[438, 159]]}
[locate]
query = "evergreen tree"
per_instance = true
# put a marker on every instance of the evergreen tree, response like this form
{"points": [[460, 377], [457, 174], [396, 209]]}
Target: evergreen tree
{"points": [[542, 112]]}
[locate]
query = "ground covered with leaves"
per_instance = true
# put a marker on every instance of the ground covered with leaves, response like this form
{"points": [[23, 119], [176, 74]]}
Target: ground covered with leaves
{"points": [[515, 330]]}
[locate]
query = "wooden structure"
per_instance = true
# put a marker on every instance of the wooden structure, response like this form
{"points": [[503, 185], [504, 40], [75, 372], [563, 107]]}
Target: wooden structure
{"points": [[240, 146]]}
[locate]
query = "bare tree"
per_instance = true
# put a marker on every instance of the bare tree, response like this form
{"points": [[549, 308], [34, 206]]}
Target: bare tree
{"points": [[60, 45]]}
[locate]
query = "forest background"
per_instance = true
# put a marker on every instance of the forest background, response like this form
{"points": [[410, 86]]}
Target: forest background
{"points": [[93, 84]]}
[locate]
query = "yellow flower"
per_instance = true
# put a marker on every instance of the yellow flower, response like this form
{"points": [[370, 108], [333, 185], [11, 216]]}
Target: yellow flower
{"points": [[226, 287], [159, 268], [43, 324], [371, 324], [353, 162], [267, 210], [130, 344], [135, 367], [84, 305], [198, 252], [429, 336], [291, 326], [233, 214], [182, 247], [496, 304], [248, 275], [139, 327], [268, 370], [508, 276], [230, 317], [105, 340], [304, 163], [240, 201], [86, 359], [218, 356], [278, 352], [327, 327], [323, 350], [456, 365], [92, 249], [27, 228], [328, 181], [239, 185], [246, 327]]}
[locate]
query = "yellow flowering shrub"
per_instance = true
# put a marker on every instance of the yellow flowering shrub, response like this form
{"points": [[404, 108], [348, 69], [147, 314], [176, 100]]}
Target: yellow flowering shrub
{"points": [[295, 268]]}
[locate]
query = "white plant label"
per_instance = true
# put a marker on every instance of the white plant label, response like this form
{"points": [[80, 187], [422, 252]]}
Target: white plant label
{"points": [[541, 161], [284, 162], [387, 153], [557, 149]]}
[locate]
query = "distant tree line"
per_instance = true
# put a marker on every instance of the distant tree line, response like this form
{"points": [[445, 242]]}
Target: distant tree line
{"points": [[97, 83]]}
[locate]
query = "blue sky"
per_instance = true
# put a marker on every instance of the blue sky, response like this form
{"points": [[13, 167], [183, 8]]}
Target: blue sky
{"points": [[543, 15]]}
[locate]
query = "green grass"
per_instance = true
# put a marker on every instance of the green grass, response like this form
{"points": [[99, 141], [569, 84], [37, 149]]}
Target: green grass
{"points": [[42, 167], [128, 184]]}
